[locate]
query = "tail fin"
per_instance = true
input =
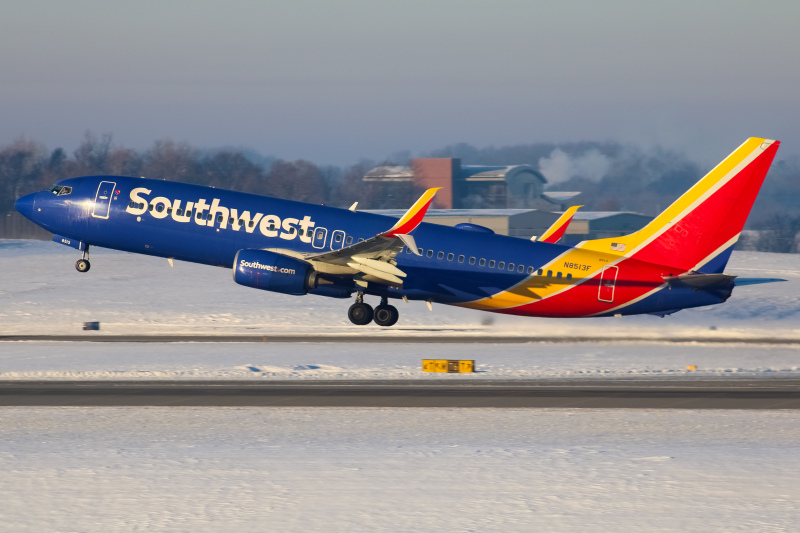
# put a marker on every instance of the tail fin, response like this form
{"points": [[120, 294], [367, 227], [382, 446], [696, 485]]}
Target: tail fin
{"points": [[698, 231]]}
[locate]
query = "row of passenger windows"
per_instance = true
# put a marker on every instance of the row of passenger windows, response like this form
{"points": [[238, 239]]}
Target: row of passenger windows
{"points": [[501, 265]]}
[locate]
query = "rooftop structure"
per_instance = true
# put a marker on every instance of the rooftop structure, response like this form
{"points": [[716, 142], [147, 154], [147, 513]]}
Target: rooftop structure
{"points": [[471, 186]]}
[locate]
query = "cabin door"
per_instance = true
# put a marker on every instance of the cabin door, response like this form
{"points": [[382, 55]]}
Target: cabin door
{"points": [[337, 240], [320, 235], [102, 200], [608, 281]]}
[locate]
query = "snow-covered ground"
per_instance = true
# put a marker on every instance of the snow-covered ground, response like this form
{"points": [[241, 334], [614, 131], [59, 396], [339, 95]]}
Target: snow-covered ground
{"points": [[40, 292], [280, 361], [294, 469], [330, 469]]}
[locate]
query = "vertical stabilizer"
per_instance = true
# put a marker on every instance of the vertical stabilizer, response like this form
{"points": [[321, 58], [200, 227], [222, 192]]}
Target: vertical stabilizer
{"points": [[698, 231]]}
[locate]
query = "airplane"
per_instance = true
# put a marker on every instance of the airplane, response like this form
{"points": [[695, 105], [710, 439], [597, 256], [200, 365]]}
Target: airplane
{"points": [[675, 262]]}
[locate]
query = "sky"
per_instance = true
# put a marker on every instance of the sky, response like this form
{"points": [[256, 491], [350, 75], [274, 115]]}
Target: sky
{"points": [[333, 82]]}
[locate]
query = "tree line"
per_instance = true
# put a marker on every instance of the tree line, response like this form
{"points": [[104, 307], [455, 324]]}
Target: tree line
{"points": [[628, 179]]}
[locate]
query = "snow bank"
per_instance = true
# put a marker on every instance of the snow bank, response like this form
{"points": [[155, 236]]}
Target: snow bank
{"points": [[315, 361]]}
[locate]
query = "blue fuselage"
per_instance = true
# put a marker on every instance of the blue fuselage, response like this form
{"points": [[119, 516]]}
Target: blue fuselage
{"points": [[209, 226]]}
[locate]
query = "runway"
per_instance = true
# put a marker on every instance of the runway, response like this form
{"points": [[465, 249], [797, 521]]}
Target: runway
{"points": [[596, 393], [399, 336]]}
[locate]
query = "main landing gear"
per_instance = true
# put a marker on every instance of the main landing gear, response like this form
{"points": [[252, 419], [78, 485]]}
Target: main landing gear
{"points": [[362, 314], [83, 265]]}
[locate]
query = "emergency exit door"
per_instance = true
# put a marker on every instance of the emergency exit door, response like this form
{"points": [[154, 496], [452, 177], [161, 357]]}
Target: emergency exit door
{"points": [[608, 281], [102, 200]]}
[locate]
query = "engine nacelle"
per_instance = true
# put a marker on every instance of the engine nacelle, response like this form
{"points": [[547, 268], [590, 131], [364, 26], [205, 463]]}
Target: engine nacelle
{"points": [[271, 271]]}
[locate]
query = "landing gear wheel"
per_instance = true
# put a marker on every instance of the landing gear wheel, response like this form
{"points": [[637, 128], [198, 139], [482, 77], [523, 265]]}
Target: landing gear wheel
{"points": [[82, 265], [386, 315], [360, 314]]}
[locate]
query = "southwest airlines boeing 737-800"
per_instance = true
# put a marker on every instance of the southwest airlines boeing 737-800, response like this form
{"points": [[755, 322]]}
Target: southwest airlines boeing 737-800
{"points": [[673, 263]]}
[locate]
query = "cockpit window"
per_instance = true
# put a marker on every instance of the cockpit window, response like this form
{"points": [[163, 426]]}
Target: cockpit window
{"points": [[60, 190]]}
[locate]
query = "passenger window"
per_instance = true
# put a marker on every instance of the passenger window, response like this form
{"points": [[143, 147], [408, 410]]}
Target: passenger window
{"points": [[272, 227], [501, 265], [511, 267], [430, 253], [219, 218], [150, 207], [491, 263], [521, 269], [338, 237], [558, 275], [460, 258], [569, 276], [549, 273], [189, 213], [440, 255], [250, 224], [169, 211], [482, 262], [450, 257], [179, 212], [420, 250], [349, 240], [539, 272], [160, 207], [230, 220], [130, 204], [471, 260], [199, 215], [210, 217], [530, 270]]}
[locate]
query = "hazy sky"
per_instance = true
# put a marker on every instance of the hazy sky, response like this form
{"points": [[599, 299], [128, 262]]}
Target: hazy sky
{"points": [[337, 80]]}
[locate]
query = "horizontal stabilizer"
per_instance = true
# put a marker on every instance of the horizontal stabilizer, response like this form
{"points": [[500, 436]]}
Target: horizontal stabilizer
{"points": [[699, 280], [755, 281]]}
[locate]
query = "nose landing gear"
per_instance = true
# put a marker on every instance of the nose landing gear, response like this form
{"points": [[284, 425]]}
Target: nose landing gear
{"points": [[83, 265]]}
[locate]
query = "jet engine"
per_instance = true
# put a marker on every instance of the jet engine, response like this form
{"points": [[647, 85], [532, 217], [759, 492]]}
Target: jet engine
{"points": [[271, 271]]}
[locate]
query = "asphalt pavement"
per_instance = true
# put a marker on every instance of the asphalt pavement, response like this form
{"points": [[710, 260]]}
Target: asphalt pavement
{"points": [[772, 393]]}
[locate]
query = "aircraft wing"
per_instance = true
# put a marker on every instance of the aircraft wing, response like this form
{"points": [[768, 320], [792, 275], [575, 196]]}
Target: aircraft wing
{"points": [[556, 231], [373, 259]]}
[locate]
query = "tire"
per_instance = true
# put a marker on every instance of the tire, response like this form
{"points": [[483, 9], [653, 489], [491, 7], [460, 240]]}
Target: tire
{"points": [[386, 315], [82, 265], [360, 314]]}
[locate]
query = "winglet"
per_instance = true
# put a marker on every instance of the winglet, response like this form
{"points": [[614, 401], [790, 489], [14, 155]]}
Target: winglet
{"points": [[556, 231], [413, 216]]}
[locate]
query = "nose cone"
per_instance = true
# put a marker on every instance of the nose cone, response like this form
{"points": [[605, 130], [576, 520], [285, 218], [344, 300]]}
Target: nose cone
{"points": [[25, 205]]}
